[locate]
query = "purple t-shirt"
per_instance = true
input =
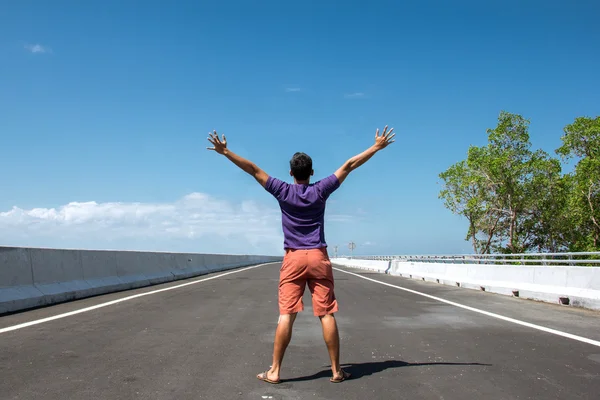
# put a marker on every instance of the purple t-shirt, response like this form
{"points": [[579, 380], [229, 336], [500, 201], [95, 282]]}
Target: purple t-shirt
{"points": [[303, 211]]}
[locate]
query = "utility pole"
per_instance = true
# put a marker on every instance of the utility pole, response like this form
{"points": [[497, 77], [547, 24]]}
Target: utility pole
{"points": [[335, 250], [351, 246]]}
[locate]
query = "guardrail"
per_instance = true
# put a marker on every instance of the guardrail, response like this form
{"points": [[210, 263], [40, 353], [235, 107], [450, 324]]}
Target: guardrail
{"points": [[590, 258], [537, 276]]}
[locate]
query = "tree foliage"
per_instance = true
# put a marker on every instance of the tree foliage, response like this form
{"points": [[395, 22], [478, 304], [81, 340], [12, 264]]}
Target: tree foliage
{"points": [[582, 140], [517, 200]]}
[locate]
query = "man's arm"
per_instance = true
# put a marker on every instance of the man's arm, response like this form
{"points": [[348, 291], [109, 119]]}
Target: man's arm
{"points": [[220, 146], [381, 142]]}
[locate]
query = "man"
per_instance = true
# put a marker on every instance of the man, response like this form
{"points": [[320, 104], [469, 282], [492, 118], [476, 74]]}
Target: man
{"points": [[306, 260]]}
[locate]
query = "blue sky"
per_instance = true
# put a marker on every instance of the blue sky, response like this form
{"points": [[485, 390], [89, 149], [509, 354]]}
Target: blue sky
{"points": [[105, 108]]}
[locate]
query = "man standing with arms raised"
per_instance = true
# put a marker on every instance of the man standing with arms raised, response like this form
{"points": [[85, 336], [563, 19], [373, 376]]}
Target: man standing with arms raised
{"points": [[306, 260]]}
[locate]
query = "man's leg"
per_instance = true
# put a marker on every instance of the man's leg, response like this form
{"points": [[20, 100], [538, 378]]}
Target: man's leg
{"points": [[291, 290], [325, 305], [332, 340], [283, 336]]}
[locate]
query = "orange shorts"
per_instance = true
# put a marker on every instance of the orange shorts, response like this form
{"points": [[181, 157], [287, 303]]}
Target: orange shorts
{"points": [[302, 267]]}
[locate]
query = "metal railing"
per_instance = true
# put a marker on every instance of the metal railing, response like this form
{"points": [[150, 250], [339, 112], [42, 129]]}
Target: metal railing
{"points": [[590, 258]]}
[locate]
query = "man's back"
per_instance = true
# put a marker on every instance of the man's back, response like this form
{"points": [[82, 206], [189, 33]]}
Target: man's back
{"points": [[303, 210]]}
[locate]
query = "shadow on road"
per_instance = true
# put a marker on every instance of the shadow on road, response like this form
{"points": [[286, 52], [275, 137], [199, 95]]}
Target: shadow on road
{"points": [[360, 370]]}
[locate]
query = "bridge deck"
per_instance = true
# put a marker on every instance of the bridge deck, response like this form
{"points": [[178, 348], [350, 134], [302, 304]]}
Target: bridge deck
{"points": [[209, 339]]}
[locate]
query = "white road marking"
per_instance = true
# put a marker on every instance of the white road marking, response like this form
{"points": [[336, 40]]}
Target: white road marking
{"points": [[490, 314], [109, 303]]}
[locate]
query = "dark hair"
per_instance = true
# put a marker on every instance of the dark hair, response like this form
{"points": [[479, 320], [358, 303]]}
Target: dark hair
{"points": [[301, 166]]}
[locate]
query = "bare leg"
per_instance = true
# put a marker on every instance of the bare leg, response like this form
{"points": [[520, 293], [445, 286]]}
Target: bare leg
{"points": [[332, 340], [283, 336]]}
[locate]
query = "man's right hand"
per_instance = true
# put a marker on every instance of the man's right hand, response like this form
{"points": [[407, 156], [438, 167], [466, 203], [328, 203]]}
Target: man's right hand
{"points": [[381, 142]]}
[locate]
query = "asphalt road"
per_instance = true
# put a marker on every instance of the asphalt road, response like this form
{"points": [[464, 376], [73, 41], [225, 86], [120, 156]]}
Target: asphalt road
{"points": [[208, 340]]}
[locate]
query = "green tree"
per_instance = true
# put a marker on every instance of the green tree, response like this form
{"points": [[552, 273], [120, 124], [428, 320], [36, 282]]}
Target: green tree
{"points": [[546, 224], [509, 194], [582, 139], [506, 167], [464, 194]]}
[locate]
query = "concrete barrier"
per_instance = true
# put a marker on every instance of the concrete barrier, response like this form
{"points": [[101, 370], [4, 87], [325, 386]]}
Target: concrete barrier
{"points": [[185, 266], [371, 265], [34, 277], [57, 274], [100, 271], [16, 281], [574, 286], [142, 269]]}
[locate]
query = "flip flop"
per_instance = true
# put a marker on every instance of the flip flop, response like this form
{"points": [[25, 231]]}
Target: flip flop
{"points": [[264, 377], [345, 375]]}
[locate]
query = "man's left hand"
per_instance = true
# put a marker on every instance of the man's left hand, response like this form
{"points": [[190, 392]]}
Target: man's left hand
{"points": [[219, 145]]}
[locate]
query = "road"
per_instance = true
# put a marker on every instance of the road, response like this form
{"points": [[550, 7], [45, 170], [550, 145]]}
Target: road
{"points": [[209, 339]]}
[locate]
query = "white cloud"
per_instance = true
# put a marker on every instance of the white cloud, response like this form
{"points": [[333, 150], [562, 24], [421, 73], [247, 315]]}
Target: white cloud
{"points": [[195, 223], [356, 95], [38, 48], [292, 89]]}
